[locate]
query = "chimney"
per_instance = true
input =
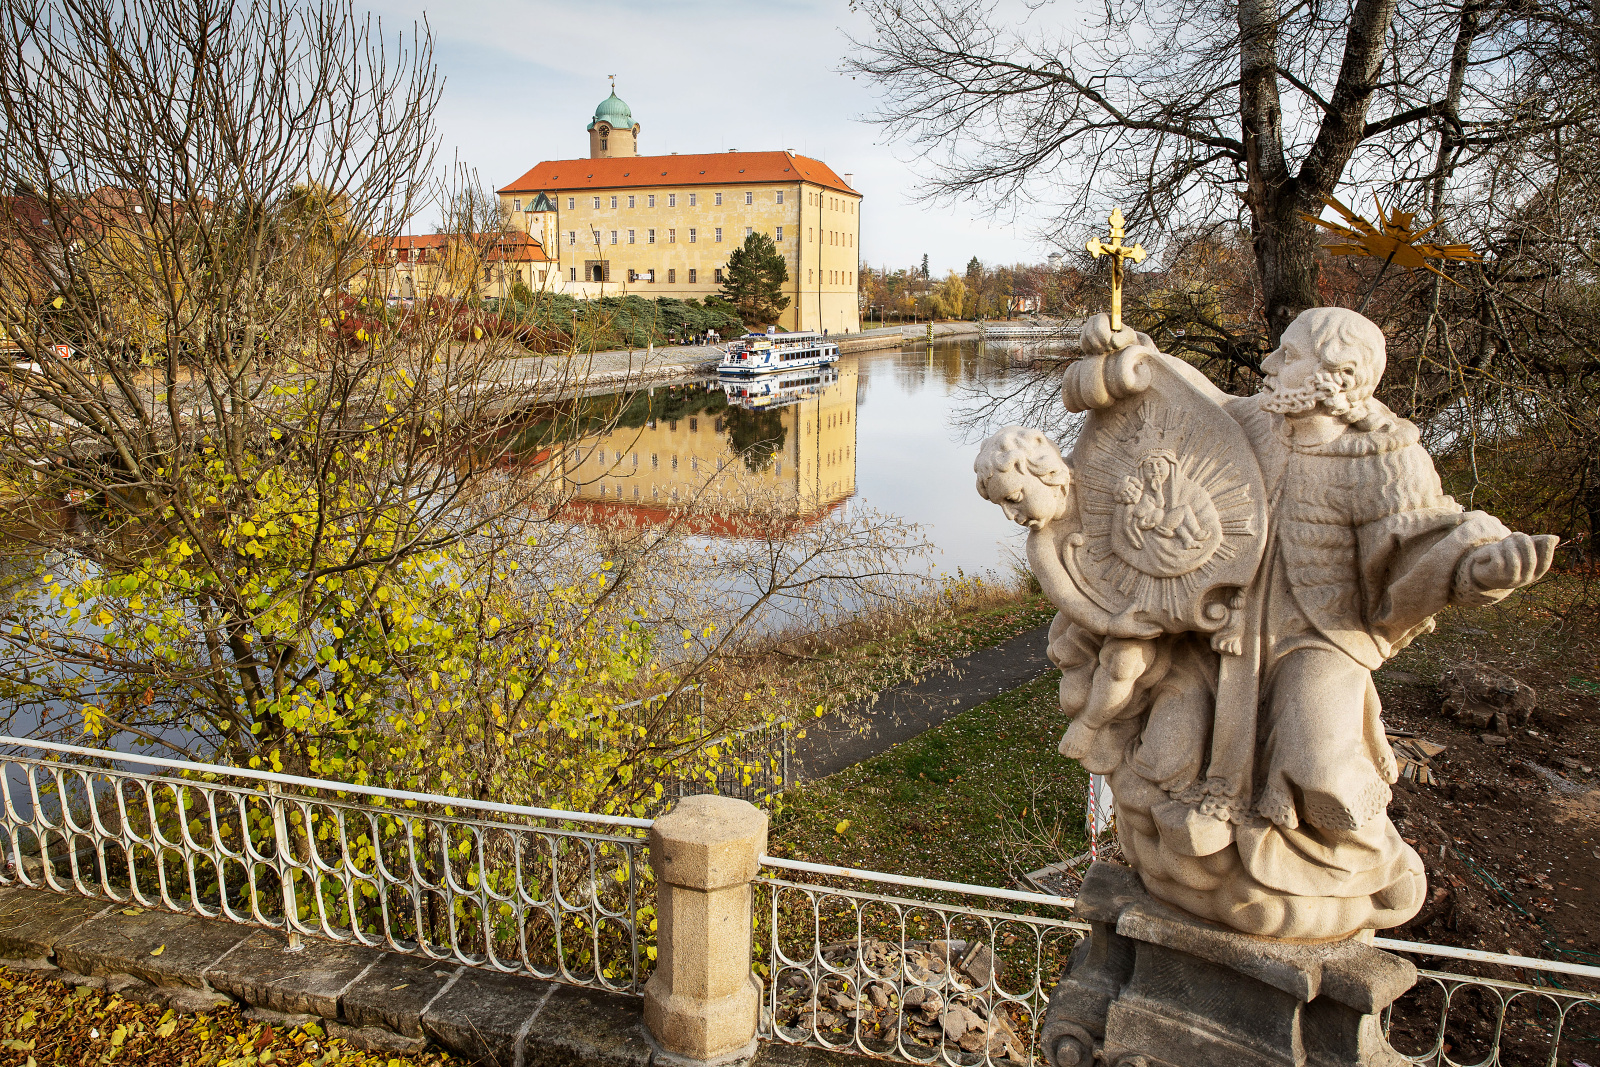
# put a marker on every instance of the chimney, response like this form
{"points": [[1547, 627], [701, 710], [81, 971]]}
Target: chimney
{"points": [[847, 180], [733, 150]]}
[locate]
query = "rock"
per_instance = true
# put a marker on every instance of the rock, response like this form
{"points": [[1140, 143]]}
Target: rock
{"points": [[197, 1001], [878, 993], [137, 990], [375, 1039], [843, 1001], [978, 963], [972, 1041], [923, 999], [1479, 696], [280, 1019], [958, 1019], [1493, 739]]}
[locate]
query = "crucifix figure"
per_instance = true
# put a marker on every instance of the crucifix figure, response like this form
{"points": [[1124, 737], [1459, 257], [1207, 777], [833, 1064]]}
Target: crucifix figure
{"points": [[1118, 252]]}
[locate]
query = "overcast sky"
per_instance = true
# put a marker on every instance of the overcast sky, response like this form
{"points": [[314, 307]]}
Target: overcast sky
{"points": [[524, 76]]}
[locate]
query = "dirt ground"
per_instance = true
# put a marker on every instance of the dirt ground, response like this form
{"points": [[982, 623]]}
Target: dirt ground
{"points": [[1510, 833]]}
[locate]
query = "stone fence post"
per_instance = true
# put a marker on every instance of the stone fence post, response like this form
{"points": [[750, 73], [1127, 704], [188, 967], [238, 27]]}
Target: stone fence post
{"points": [[702, 1003]]}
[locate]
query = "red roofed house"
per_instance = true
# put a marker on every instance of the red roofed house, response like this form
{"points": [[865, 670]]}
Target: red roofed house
{"points": [[445, 264], [619, 223]]}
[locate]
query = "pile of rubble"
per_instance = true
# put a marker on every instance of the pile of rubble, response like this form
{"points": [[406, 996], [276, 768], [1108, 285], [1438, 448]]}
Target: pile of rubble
{"points": [[927, 993]]}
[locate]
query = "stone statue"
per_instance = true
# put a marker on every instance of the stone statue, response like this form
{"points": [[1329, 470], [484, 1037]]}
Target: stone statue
{"points": [[1229, 571]]}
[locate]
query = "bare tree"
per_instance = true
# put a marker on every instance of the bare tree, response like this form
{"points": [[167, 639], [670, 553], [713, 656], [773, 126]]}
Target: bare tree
{"points": [[1186, 111]]}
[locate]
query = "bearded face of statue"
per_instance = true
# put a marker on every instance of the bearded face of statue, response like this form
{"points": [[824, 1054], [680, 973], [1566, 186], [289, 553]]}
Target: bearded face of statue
{"points": [[1295, 380]]}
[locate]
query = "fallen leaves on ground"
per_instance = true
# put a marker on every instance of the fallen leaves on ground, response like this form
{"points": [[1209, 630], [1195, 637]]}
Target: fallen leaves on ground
{"points": [[44, 1022]]}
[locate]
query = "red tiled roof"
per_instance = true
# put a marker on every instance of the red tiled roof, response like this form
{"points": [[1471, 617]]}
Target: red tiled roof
{"points": [[513, 247], [717, 168]]}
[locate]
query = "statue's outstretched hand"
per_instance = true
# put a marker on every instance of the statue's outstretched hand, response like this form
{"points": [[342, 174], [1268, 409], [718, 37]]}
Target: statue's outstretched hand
{"points": [[1511, 562]]}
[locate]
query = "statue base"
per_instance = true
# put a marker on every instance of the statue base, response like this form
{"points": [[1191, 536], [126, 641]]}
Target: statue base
{"points": [[1154, 987]]}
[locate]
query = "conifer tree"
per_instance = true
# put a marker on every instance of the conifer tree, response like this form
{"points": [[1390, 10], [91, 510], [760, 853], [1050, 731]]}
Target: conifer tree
{"points": [[755, 277]]}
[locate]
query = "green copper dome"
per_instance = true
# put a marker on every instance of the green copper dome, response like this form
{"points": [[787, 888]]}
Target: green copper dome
{"points": [[614, 111]]}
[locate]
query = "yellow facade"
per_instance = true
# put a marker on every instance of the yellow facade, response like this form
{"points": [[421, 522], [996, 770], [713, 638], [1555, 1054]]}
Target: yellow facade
{"points": [[668, 463], [671, 242]]}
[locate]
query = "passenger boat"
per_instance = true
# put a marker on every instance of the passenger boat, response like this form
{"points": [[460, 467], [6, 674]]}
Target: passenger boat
{"points": [[779, 390], [765, 353]]}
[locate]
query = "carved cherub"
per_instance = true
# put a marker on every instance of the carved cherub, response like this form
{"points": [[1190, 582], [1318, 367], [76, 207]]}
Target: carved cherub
{"points": [[1023, 471]]}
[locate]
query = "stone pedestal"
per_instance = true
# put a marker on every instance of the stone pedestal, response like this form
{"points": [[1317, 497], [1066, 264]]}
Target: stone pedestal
{"points": [[702, 1003], [1153, 987]]}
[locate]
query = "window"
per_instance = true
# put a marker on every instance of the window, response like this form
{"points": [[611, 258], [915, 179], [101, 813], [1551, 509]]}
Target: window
{"points": [[694, 198], [572, 237], [572, 202], [672, 199], [604, 143], [808, 233], [672, 275], [597, 202], [749, 197], [719, 199], [691, 234], [719, 233], [674, 458], [650, 237], [488, 274], [694, 427], [692, 278], [613, 203], [630, 237], [574, 274], [650, 201], [613, 236], [780, 196], [748, 231], [636, 459], [718, 276], [516, 205], [810, 274], [672, 236], [780, 234], [718, 427], [630, 201]]}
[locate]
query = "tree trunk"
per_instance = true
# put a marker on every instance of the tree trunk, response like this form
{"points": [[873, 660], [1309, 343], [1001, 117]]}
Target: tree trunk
{"points": [[1285, 242]]}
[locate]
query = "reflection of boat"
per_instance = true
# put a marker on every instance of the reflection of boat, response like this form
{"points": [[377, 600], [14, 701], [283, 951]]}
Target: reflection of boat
{"points": [[765, 353], [779, 390]]}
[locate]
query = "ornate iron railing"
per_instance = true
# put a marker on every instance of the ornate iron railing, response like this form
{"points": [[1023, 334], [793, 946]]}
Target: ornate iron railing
{"points": [[565, 896], [536, 891], [823, 949]]}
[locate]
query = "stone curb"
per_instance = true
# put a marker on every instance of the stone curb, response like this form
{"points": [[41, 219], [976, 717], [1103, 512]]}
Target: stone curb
{"points": [[380, 1001]]}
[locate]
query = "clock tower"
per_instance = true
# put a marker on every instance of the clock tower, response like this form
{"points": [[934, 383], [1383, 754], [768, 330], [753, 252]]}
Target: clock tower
{"points": [[612, 131]]}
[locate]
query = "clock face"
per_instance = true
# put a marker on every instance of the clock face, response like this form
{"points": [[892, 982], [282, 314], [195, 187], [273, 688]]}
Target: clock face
{"points": [[604, 129]]}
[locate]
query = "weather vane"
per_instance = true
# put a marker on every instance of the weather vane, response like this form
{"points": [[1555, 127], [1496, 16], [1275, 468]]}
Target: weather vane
{"points": [[613, 78], [1118, 252]]}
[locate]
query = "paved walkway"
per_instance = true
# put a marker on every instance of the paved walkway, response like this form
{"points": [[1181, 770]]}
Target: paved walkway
{"points": [[904, 711]]}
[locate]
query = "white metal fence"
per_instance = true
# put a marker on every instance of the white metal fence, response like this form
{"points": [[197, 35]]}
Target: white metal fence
{"points": [[566, 896], [547, 893]]}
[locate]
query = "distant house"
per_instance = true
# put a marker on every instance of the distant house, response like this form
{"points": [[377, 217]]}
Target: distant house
{"points": [[455, 265]]}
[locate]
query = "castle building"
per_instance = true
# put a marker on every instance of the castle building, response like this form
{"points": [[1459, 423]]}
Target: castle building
{"points": [[618, 223]]}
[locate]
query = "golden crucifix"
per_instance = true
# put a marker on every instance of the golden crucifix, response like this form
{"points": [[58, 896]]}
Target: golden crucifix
{"points": [[1118, 252]]}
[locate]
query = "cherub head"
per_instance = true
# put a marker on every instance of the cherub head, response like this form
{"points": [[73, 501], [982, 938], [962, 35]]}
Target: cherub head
{"points": [[1330, 359], [1022, 471]]}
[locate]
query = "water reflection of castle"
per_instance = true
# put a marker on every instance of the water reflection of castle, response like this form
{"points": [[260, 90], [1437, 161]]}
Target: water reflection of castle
{"points": [[789, 440]]}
